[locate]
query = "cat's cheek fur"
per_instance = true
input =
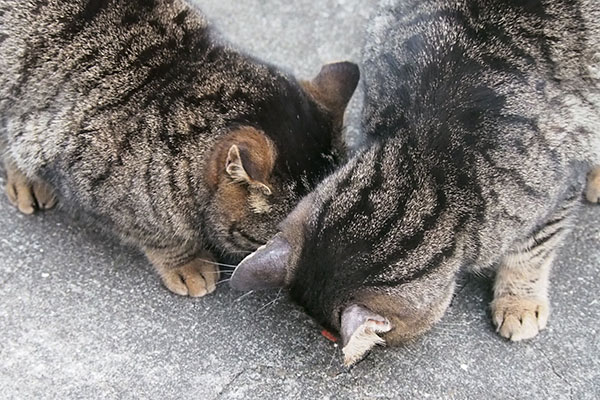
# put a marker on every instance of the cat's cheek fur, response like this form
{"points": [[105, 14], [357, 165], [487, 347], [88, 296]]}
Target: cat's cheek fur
{"points": [[230, 201]]}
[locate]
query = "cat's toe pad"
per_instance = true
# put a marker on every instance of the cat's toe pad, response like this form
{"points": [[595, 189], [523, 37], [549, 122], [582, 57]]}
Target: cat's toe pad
{"points": [[519, 318], [196, 279], [28, 196]]}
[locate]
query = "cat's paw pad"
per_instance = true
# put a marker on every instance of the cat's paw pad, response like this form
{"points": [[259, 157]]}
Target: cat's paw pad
{"points": [[592, 193], [28, 196], [519, 318], [196, 279]]}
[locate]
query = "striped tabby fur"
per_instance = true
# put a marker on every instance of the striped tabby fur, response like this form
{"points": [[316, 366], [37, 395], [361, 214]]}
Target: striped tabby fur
{"points": [[138, 114], [484, 117]]}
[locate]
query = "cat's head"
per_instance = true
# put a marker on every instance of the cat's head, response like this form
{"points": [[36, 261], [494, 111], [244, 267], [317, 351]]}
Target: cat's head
{"points": [[346, 257], [264, 164]]}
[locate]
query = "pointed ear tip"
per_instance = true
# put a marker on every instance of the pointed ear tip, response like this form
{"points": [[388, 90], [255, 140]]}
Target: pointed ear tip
{"points": [[349, 69], [235, 284], [263, 269], [234, 149], [346, 65], [238, 284], [241, 279], [353, 68]]}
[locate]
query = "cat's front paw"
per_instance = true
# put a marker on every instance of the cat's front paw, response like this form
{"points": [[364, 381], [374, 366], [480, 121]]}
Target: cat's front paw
{"points": [[196, 278], [593, 186], [28, 195], [518, 318]]}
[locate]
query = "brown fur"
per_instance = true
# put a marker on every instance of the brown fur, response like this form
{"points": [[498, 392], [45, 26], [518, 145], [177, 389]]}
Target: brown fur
{"points": [[142, 118], [256, 155], [593, 186], [260, 156], [26, 194], [195, 278]]}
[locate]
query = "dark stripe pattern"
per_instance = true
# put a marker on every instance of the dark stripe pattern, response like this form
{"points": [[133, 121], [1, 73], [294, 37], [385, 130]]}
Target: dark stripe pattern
{"points": [[127, 99], [470, 152]]}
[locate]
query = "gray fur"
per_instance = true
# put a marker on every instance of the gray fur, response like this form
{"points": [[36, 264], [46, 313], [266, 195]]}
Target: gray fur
{"points": [[483, 118], [121, 107]]}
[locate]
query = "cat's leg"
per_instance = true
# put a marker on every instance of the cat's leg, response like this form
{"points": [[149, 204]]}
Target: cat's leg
{"points": [[520, 307], [196, 276], [592, 192], [27, 194]]}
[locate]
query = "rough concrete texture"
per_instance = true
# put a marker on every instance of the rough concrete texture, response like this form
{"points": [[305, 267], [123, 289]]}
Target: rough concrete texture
{"points": [[82, 316]]}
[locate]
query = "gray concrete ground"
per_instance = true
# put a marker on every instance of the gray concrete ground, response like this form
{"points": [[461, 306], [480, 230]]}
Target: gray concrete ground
{"points": [[82, 316]]}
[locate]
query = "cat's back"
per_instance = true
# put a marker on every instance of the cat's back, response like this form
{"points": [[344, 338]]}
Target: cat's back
{"points": [[65, 19], [90, 46], [551, 36], [76, 66], [500, 96], [432, 59]]}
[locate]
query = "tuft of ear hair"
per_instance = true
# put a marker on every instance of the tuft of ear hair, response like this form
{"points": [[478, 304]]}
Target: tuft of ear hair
{"points": [[334, 85], [360, 328], [266, 268], [246, 156], [234, 167]]}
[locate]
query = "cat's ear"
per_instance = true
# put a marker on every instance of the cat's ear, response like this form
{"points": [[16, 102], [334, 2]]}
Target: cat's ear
{"points": [[234, 167], [334, 85], [266, 268], [245, 156], [360, 328]]}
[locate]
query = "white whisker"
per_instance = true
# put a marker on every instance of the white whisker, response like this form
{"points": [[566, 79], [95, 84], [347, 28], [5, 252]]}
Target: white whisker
{"points": [[216, 263], [335, 352], [244, 295], [270, 303]]}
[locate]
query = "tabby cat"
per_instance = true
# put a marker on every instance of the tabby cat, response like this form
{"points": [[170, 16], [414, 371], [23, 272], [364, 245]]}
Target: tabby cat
{"points": [[137, 113], [483, 118]]}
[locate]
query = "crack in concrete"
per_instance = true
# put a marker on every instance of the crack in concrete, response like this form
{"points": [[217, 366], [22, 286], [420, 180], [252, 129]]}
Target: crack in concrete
{"points": [[229, 384], [287, 372], [7, 279], [555, 372]]}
